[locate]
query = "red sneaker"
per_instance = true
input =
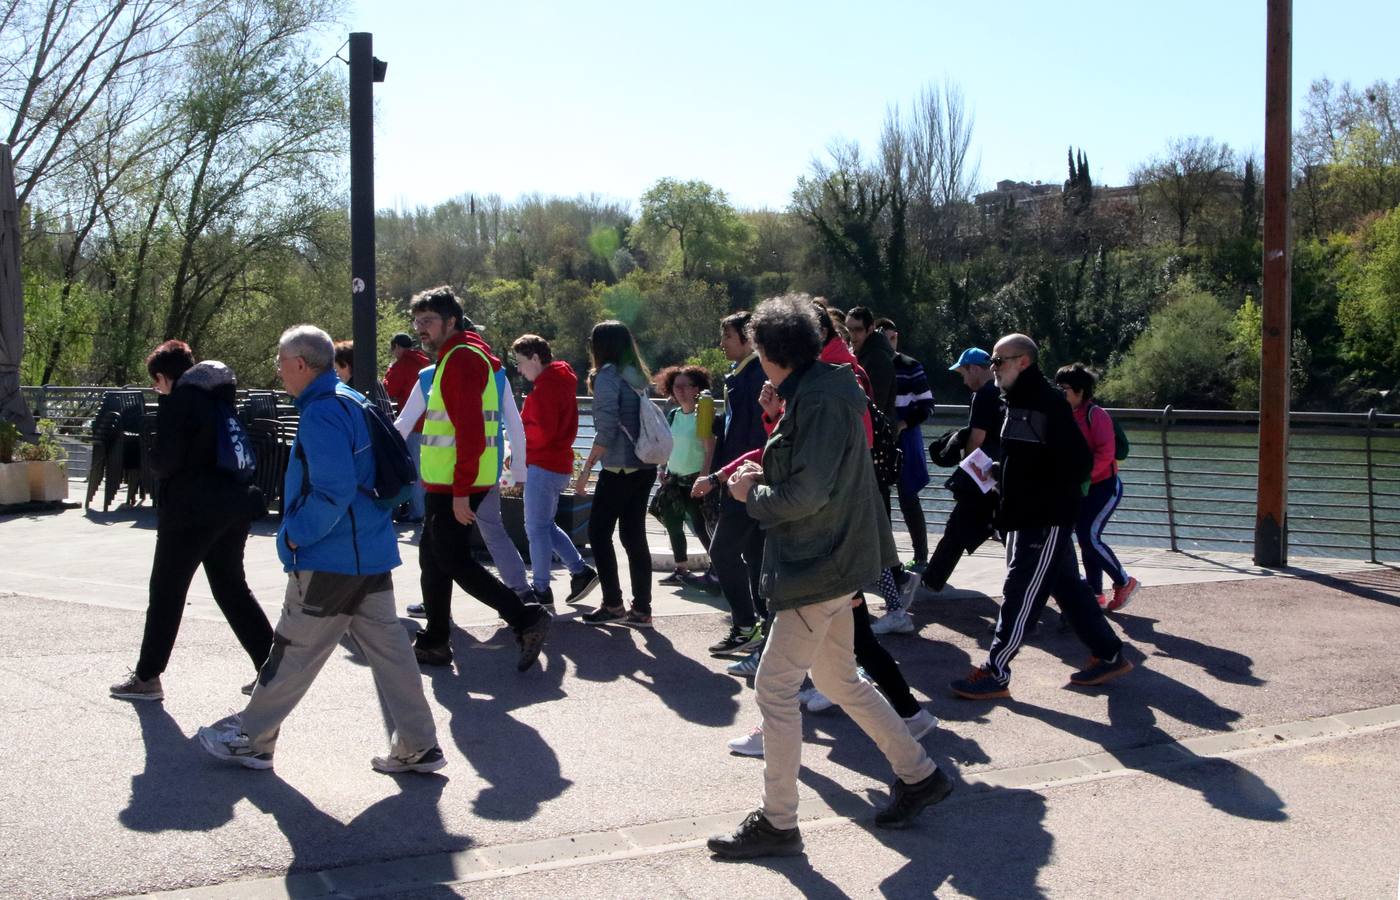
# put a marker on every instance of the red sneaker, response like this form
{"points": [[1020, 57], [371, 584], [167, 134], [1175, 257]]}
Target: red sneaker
{"points": [[1122, 594], [1103, 601]]}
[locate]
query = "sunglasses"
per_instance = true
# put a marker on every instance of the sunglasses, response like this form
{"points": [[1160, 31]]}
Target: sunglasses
{"points": [[996, 361]]}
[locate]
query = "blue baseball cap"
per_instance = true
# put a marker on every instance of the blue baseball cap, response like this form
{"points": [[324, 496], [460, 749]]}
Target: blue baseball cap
{"points": [[972, 356]]}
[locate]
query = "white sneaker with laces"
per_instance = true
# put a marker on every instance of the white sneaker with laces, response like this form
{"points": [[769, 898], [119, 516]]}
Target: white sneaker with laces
{"points": [[920, 723], [896, 621], [232, 746], [818, 702], [750, 744]]}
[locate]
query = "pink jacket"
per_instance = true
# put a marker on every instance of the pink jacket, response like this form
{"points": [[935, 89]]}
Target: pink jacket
{"points": [[1097, 428]]}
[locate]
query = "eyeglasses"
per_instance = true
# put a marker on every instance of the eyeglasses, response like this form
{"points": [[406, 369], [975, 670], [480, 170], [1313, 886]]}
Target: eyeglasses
{"points": [[422, 321], [996, 361]]}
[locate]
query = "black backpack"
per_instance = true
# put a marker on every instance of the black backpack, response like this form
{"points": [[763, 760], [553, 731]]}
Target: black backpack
{"points": [[885, 451], [394, 472], [233, 450]]}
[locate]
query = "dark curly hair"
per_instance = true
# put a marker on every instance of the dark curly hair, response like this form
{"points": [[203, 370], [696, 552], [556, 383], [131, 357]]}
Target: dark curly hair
{"points": [[786, 331], [666, 378], [171, 359]]}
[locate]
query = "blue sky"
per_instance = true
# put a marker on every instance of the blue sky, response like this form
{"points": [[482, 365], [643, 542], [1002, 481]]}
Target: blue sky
{"points": [[578, 97]]}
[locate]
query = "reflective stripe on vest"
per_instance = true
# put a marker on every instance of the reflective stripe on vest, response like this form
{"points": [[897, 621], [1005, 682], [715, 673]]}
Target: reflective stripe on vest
{"points": [[438, 456]]}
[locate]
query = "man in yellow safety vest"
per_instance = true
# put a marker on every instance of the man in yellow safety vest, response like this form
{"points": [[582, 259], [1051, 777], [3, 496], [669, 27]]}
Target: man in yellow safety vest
{"points": [[460, 461]]}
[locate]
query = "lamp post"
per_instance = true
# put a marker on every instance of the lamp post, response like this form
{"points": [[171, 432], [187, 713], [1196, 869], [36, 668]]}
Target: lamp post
{"points": [[365, 70]]}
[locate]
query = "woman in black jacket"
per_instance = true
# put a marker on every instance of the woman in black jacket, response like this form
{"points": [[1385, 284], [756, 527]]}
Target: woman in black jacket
{"points": [[203, 517]]}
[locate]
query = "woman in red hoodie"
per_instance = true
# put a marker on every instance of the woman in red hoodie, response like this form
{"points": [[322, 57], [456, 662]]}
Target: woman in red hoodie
{"points": [[1105, 488], [550, 418]]}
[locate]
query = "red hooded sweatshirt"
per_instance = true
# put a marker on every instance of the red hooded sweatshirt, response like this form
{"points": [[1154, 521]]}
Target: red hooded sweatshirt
{"points": [[402, 377], [550, 417], [464, 380]]}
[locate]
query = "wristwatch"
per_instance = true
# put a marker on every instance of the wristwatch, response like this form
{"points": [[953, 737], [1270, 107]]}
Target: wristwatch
{"points": [[713, 478]]}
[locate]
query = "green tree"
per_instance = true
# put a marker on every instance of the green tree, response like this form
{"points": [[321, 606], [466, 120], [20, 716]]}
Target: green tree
{"points": [[692, 224], [1180, 358], [1369, 307]]}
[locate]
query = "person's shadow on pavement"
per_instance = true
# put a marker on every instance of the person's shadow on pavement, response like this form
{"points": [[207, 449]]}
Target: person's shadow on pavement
{"points": [[1222, 664]]}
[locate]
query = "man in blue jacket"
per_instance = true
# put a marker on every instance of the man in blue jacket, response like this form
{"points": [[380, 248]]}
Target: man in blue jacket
{"points": [[339, 548]]}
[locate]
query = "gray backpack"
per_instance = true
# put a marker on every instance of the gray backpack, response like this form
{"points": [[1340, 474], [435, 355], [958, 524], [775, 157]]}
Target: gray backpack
{"points": [[652, 443]]}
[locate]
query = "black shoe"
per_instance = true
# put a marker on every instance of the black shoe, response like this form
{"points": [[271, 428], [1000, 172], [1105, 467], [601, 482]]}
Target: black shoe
{"points": [[739, 640], [432, 654], [531, 640], [544, 598], [908, 800], [581, 584], [705, 581], [756, 837], [605, 614]]}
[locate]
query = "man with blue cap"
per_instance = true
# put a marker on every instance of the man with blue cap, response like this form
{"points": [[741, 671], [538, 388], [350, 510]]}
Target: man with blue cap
{"points": [[970, 522]]}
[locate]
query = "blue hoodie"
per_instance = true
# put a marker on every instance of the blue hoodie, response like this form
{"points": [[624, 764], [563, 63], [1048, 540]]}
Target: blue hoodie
{"points": [[336, 526]]}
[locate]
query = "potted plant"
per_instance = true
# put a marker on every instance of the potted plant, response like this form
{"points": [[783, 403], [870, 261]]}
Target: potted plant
{"points": [[14, 476], [47, 476]]}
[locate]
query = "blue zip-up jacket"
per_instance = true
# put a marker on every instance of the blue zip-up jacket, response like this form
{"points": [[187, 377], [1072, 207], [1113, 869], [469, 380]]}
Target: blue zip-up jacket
{"points": [[336, 526]]}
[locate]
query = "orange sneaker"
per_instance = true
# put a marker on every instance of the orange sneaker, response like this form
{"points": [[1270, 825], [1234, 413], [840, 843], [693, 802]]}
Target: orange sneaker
{"points": [[1122, 594]]}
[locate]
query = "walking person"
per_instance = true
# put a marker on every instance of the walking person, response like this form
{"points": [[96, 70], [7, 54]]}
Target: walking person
{"points": [[461, 464], [203, 517], [913, 403], [1044, 462], [816, 498], [550, 418], [339, 549], [736, 547], [618, 381], [400, 382], [673, 504], [970, 520], [1105, 488]]}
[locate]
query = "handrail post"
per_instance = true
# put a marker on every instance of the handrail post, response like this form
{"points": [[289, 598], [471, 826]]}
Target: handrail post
{"points": [[1371, 482], [1167, 477]]}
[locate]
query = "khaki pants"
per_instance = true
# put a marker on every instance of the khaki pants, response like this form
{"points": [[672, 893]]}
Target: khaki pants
{"points": [[820, 638], [307, 632]]}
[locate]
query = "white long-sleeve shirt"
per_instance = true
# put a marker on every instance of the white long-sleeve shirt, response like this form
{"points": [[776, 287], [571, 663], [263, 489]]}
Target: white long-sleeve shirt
{"points": [[417, 404]]}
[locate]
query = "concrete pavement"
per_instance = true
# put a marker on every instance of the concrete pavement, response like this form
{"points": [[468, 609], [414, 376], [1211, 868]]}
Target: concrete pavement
{"points": [[619, 732]]}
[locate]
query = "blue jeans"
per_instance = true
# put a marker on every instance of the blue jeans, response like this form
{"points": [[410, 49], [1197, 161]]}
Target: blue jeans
{"points": [[415, 500], [547, 540], [498, 542]]}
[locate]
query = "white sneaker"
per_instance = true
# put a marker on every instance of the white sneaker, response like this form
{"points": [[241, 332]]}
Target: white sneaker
{"points": [[920, 723], [750, 744], [896, 621], [429, 760], [232, 747], [818, 702]]}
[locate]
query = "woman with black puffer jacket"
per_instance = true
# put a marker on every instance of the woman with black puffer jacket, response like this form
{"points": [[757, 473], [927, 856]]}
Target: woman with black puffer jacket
{"points": [[203, 518]]}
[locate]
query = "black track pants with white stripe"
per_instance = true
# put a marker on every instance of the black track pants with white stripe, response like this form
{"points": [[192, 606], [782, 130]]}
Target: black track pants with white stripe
{"points": [[1041, 562]]}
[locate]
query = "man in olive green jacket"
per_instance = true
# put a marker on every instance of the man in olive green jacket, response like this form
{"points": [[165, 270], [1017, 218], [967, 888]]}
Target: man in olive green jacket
{"points": [[826, 536]]}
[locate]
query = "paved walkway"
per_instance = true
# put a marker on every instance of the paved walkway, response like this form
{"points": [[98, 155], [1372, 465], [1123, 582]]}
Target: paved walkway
{"points": [[1256, 740]]}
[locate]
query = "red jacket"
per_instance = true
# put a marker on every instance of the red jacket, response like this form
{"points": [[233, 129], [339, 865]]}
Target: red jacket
{"points": [[463, 380], [402, 378], [550, 417]]}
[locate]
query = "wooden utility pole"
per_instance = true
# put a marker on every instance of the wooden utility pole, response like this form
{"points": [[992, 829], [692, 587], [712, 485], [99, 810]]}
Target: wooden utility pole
{"points": [[1275, 387]]}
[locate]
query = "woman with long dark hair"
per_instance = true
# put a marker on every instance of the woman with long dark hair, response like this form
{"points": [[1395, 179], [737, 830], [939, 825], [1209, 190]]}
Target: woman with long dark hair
{"points": [[618, 381]]}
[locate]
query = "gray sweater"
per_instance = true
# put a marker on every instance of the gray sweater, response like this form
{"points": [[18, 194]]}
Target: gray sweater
{"points": [[616, 406]]}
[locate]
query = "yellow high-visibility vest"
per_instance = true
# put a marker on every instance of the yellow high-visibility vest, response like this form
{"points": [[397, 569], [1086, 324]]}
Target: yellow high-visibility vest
{"points": [[438, 456]]}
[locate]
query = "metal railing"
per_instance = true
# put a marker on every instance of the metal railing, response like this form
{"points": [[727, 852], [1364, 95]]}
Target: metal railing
{"points": [[1189, 481]]}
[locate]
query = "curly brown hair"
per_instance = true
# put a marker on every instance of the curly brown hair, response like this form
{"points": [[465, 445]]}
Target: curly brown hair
{"points": [[666, 378]]}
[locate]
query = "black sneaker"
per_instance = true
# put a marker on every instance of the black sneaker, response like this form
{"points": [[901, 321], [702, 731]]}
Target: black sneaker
{"points": [[637, 619], [531, 640], [1099, 671], [432, 654], [605, 614], [755, 836], [676, 578], [908, 800], [739, 640], [544, 598], [705, 581], [581, 584]]}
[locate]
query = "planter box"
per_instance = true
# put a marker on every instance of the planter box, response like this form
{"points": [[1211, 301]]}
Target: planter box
{"points": [[572, 516], [48, 482], [14, 483]]}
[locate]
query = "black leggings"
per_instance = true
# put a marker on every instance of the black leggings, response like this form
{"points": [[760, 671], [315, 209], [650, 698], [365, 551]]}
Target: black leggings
{"points": [[180, 549], [620, 504], [880, 666]]}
